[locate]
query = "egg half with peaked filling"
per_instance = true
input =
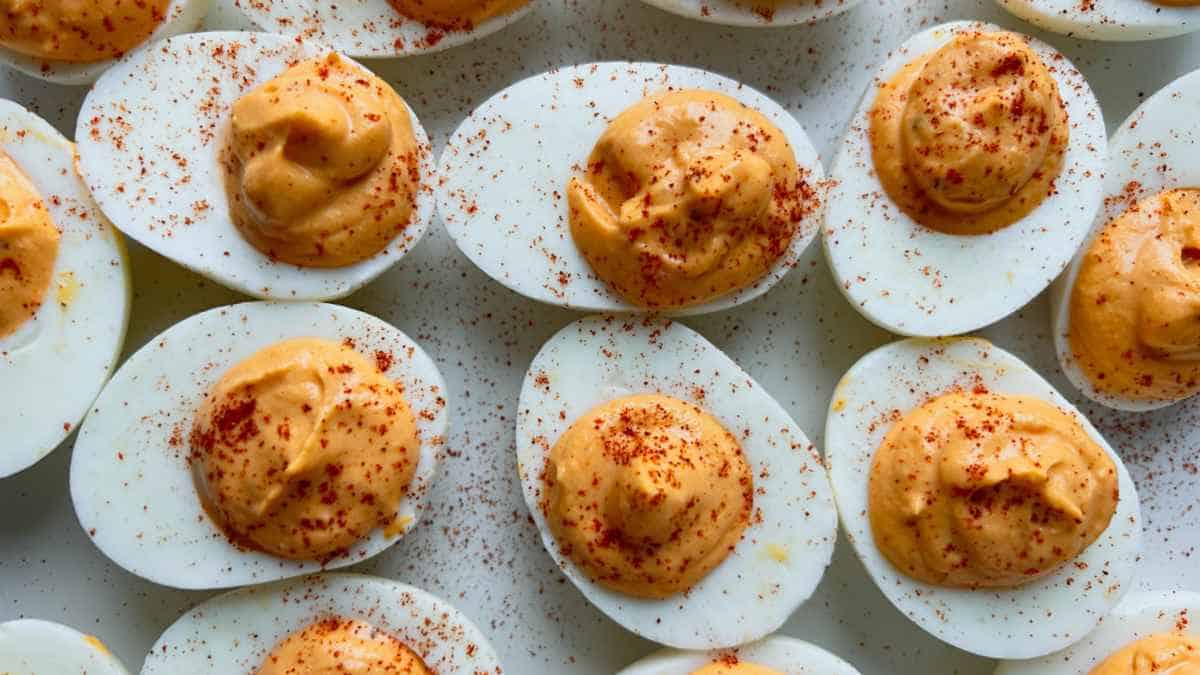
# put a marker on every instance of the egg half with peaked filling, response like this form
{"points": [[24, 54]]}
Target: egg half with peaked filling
{"points": [[776, 655]]}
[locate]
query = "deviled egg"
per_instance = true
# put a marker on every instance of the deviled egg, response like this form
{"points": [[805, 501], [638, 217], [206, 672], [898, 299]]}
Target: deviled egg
{"points": [[986, 508], [64, 290], [260, 441], [36, 647], [777, 655], [1125, 314], [755, 13], [269, 164], [670, 488], [1149, 632], [324, 623], [1115, 20], [74, 42], [630, 187], [385, 28], [968, 178]]}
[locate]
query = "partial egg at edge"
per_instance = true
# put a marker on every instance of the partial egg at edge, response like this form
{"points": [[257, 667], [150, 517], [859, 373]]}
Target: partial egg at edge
{"points": [[787, 655], [36, 647], [745, 13], [1113, 20]]}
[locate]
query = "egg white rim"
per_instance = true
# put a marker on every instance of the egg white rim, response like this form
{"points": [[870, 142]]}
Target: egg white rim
{"points": [[1135, 154], [170, 193], [487, 166], [778, 652], [750, 586], [984, 270], [77, 341], [1139, 614], [358, 35], [1062, 608], [731, 13], [49, 641], [1112, 20], [182, 16], [235, 631], [116, 490]]}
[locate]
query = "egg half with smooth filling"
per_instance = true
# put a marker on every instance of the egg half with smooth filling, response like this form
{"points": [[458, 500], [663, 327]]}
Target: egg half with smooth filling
{"points": [[756, 13], [1149, 632], [74, 43], [669, 487], [269, 164], [64, 290], [1115, 20], [36, 647], [968, 177], [986, 508], [631, 187], [1126, 314], [386, 28], [776, 655], [260, 441], [325, 623]]}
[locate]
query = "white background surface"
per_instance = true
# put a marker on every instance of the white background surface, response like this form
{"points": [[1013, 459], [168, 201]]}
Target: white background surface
{"points": [[477, 548]]}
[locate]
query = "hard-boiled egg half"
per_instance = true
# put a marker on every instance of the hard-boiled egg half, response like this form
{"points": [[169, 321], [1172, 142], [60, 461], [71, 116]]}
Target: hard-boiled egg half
{"points": [[64, 290], [260, 441], [1149, 632], [1125, 314], [776, 655], [756, 13], [267, 163], [74, 43], [386, 28], [1116, 20], [631, 186], [986, 508], [324, 623], [669, 487], [35, 647], [969, 176]]}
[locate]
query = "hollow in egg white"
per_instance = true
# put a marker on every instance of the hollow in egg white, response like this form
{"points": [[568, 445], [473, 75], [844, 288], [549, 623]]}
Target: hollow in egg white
{"points": [[1028, 620], [509, 208], [155, 143], [133, 480], [783, 551], [1115, 20], [913, 279], [63, 350]]}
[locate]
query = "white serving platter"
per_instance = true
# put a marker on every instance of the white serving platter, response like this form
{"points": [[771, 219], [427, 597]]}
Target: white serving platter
{"points": [[477, 547]]}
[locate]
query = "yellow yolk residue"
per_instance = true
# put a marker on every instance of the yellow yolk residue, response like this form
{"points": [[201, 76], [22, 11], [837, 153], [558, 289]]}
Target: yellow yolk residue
{"points": [[1135, 306], [342, 646], [647, 494], [687, 196], [80, 31], [28, 247], [980, 490], [735, 667], [322, 166], [1163, 654], [970, 138], [303, 449]]}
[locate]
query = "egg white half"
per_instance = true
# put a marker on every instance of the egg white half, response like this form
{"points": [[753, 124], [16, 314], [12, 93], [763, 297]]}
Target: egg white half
{"points": [[62, 356], [1114, 20], [785, 654], [36, 647], [182, 16], [150, 133], [742, 13], [130, 480], [504, 176], [234, 632], [1031, 620], [1139, 615], [1156, 148], [781, 557], [365, 28], [914, 280]]}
